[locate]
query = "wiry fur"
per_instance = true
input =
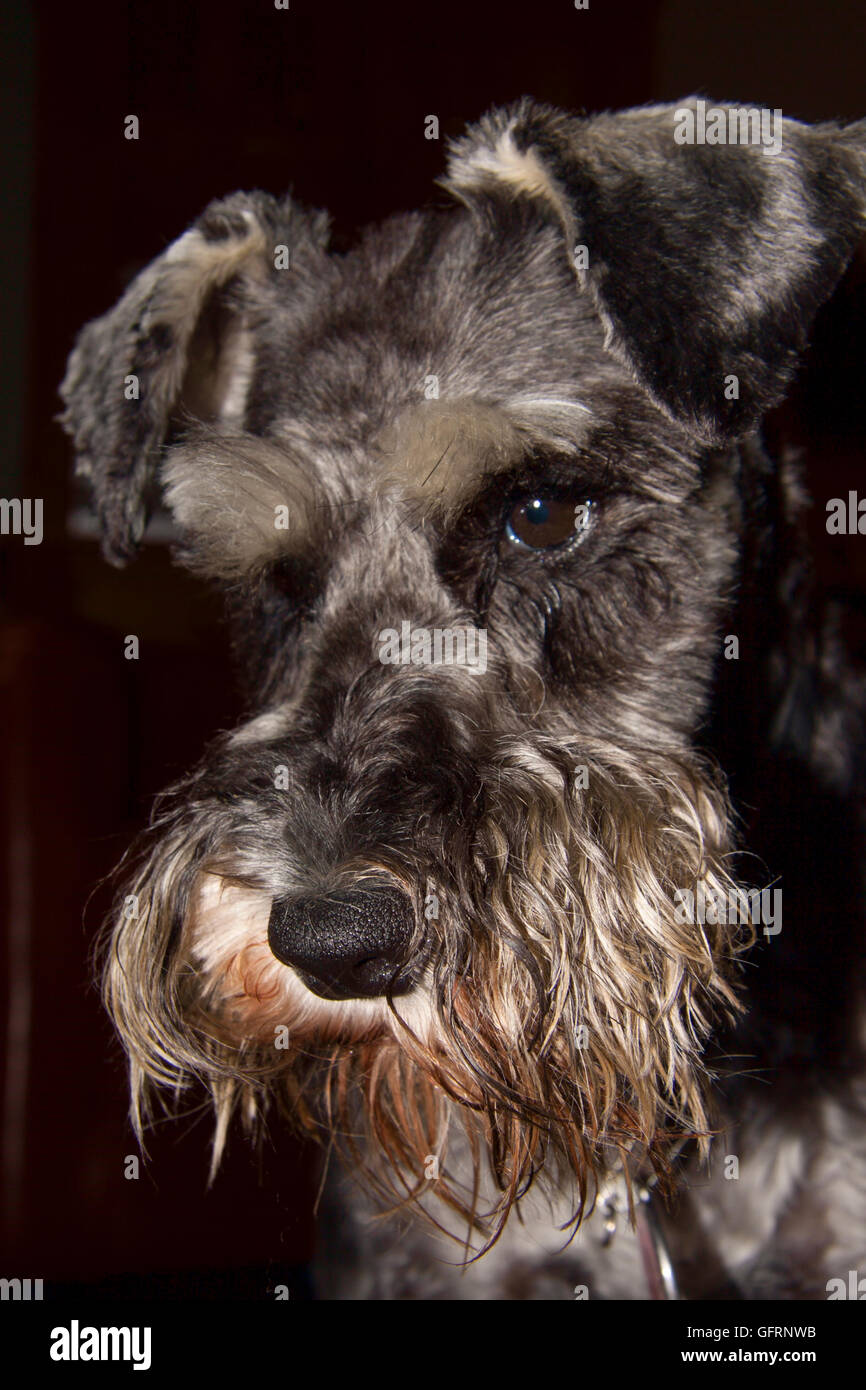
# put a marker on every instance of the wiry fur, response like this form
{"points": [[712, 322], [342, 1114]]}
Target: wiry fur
{"points": [[565, 892], [554, 1012]]}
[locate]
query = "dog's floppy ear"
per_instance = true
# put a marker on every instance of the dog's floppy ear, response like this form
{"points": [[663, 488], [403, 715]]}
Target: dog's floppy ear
{"points": [[705, 261], [174, 344]]}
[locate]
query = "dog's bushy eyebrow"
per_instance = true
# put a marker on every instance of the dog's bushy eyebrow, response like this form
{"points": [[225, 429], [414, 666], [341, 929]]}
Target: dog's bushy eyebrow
{"points": [[449, 460], [240, 500], [441, 453], [243, 501], [437, 449]]}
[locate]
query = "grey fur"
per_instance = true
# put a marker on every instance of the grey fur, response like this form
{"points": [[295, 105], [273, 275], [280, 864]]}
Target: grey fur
{"points": [[551, 805]]}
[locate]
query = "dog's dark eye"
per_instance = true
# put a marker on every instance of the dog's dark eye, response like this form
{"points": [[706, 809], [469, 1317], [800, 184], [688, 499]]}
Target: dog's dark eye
{"points": [[543, 523]]}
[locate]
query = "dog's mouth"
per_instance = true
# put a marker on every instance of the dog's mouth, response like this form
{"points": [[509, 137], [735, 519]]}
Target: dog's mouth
{"points": [[347, 945]]}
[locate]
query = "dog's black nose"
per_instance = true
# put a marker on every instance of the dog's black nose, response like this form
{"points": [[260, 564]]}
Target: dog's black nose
{"points": [[348, 945]]}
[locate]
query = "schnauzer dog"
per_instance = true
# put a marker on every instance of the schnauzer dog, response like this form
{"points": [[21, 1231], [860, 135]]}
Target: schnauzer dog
{"points": [[523, 610]]}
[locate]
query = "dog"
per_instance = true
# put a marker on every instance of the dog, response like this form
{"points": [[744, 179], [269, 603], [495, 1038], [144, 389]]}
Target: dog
{"points": [[545, 728]]}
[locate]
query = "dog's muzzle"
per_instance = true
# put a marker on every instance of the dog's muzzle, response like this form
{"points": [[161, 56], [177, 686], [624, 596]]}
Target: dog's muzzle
{"points": [[349, 945]]}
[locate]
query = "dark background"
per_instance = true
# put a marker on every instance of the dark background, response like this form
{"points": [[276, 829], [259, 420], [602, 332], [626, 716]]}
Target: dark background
{"points": [[328, 99]]}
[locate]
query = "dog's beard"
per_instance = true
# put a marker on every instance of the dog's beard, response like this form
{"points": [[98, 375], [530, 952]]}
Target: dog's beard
{"points": [[560, 1013]]}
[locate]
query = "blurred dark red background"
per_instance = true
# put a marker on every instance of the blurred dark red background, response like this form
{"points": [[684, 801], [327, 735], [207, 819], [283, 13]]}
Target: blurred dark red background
{"points": [[329, 100]]}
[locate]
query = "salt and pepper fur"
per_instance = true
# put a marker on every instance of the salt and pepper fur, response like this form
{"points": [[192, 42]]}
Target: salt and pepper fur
{"points": [[552, 806]]}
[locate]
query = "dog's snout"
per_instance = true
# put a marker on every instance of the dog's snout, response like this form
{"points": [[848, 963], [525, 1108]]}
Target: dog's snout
{"points": [[347, 945]]}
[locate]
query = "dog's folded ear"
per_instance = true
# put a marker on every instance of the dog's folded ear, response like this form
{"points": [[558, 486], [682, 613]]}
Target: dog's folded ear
{"points": [[174, 346], [707, 236]]}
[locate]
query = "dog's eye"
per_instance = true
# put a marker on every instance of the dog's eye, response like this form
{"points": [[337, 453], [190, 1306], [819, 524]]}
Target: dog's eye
{"points": [[544, 523]]}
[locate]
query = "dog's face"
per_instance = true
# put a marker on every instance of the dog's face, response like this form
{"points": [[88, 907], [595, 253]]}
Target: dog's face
{"points": [[474, 493]]}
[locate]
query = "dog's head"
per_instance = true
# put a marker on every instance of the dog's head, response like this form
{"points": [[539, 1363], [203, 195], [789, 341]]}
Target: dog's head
{"points": [[474, 492]]}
